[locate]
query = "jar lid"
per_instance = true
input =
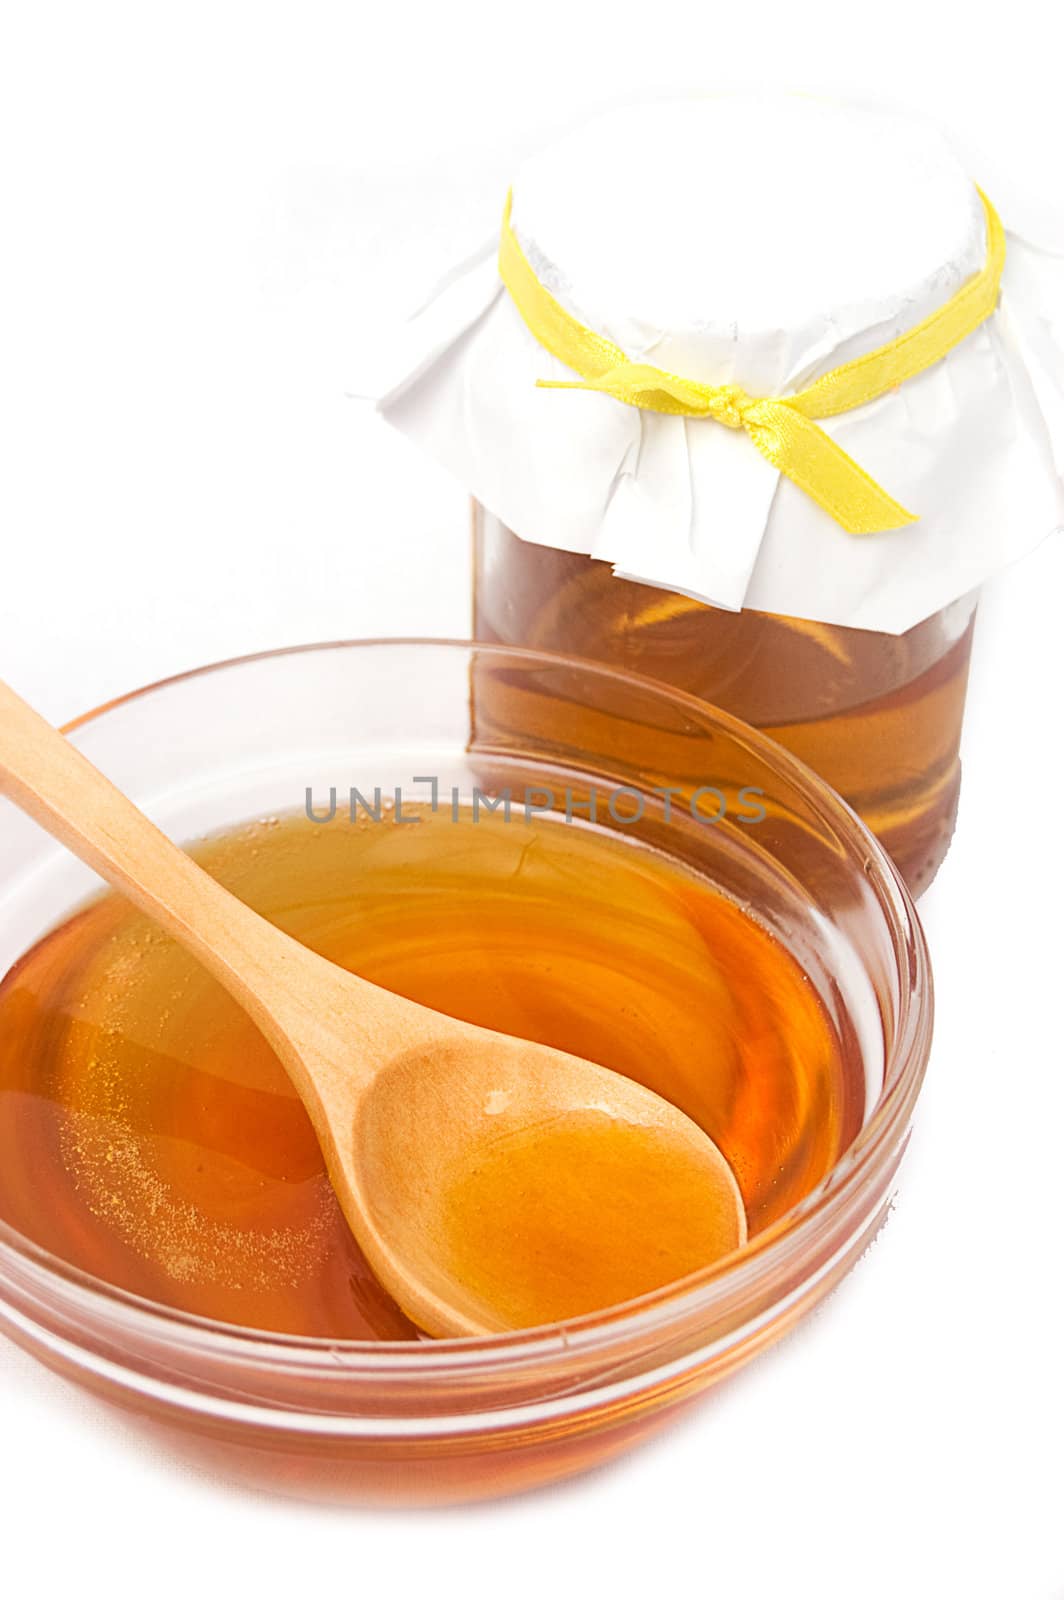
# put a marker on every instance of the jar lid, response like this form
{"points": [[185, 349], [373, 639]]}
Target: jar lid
{"points": [[700, 261]]}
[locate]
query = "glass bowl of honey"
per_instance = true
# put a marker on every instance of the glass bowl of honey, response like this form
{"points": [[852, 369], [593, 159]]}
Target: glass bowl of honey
{"points": [[546, 846]]}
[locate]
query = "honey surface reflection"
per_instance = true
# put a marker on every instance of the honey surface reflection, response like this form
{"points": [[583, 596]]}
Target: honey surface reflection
{"points": [[149, 1136]]}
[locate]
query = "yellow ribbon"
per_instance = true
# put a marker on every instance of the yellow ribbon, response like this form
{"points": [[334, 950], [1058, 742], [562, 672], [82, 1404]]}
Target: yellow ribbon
{"points": [[783, 429]]}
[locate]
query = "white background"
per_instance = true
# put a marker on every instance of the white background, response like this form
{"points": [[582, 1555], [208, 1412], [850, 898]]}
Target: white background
{"points": [[204, 210]]}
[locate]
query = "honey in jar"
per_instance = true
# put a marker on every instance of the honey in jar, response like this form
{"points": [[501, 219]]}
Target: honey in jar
{"points": [[879, 716], [149, 1136]]}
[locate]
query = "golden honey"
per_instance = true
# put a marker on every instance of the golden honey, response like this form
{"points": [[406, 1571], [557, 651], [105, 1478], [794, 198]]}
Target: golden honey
{"points": [[592, 1211], [149, 1136], [878, 716]]}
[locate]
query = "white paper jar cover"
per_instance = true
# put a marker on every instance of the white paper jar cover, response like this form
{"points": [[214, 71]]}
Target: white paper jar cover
{"points": [[760, 241]]}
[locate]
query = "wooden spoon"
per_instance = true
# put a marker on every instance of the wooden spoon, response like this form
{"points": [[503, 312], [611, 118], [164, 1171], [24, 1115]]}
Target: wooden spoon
{"points": [[492, 1183]]}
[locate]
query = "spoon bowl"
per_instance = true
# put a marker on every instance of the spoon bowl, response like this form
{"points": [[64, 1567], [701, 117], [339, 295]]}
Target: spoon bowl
{"points": [[530, 1186]]}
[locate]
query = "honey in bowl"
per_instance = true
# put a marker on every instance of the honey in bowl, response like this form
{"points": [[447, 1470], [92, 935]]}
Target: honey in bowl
{"points": [[149, 1136]]}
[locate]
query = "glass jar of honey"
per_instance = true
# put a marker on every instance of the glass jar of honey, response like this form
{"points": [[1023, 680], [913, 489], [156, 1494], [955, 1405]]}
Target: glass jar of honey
{"points": [[878, 715], [755, 416]]}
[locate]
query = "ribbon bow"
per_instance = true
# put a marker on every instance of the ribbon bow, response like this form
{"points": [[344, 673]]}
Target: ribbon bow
{"points": [[784, 429]]}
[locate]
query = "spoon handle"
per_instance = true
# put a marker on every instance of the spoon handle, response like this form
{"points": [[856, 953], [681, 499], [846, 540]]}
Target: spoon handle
{"points": [[58, 787]]}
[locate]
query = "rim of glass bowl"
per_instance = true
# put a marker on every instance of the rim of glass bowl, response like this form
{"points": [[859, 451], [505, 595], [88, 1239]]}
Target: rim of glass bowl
{"points": [[717, 1295]]}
